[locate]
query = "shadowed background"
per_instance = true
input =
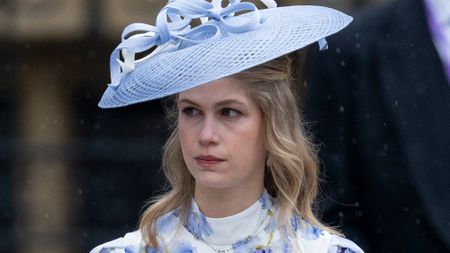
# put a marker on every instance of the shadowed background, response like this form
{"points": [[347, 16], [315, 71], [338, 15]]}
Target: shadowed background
{"points": [[73, 175]]}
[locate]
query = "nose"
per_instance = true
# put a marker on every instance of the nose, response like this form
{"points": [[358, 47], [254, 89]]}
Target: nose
{"points": [[209, 132]]}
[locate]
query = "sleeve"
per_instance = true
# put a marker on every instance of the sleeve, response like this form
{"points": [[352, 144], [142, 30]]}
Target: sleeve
{"points": [[130, 243], [342, 245]]}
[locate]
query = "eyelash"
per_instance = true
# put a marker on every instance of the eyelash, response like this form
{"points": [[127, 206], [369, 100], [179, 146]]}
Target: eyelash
{"points": [[222, 112], [225, 112], [190, 111]]}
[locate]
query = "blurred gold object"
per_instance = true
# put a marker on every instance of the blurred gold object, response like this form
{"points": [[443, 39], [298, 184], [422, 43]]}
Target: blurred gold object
{"points": [[44, 19]]}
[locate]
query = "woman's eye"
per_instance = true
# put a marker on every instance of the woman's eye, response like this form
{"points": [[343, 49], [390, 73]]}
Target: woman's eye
{"points": [[231, 113], [190, 111]]}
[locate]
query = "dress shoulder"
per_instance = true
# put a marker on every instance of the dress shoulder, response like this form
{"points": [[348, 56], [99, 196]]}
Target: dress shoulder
{"points": [[341, 245], [130, 243], [315, 239], [166, 226]]}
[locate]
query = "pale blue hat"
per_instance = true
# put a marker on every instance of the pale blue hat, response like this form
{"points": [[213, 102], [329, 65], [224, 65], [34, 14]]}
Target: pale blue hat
{"points": [[229, 40]]}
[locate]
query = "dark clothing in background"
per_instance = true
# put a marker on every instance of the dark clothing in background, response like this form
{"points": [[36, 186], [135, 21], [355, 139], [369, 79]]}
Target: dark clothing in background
{"points": [[379, 104]]}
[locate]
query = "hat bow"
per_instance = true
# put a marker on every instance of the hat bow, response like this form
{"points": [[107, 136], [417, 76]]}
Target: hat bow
{"points": [[173, 25]]}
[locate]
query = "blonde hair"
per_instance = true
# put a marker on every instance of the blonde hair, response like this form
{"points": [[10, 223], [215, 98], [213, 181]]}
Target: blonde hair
{"points": [[292, 167]]}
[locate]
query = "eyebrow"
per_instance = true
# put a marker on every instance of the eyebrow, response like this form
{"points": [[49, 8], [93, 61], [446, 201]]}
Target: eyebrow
{"points": [[218, 104]]}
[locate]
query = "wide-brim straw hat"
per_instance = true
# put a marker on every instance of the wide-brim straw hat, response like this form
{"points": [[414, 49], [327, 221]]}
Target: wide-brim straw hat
{"points": [[229, 40]]}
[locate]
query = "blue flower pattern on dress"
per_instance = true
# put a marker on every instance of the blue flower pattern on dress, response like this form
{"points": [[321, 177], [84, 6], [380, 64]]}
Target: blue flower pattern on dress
{"points": [[264, 250], [198, 225], [268, 203], [166, 223], [182, 247], [305, 229], [342, 250], [116, 249], [152, 250], [266, 200], [177, 247], [255, 246]]}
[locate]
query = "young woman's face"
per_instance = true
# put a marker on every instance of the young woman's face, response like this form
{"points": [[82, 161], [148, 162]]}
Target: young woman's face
{"points": [[222, 136]]}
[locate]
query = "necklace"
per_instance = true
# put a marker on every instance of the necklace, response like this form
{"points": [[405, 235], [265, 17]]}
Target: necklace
{"points": [[236, 245]]}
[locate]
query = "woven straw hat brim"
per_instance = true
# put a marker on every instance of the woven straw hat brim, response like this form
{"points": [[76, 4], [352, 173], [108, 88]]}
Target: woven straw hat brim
{"points": [[285, 30]]}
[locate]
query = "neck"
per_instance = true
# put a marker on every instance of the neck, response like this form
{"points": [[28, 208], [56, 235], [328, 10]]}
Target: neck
{"points": [[218, 203]]}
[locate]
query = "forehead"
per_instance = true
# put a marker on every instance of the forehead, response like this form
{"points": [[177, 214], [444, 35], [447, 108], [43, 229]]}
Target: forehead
{"points": [[221, 89]]}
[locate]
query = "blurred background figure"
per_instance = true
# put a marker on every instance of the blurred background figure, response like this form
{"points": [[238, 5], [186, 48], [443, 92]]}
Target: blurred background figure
{"points": [[379, 101], [63, 185]]}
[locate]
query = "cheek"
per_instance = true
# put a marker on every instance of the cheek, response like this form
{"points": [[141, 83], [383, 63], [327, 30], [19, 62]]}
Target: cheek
{"points": [[185, 137], [250, 144], [258, 147], [257, 134]]}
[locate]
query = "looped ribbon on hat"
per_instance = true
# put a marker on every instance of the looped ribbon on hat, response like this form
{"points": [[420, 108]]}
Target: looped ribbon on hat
{"points": [[173, 24]]}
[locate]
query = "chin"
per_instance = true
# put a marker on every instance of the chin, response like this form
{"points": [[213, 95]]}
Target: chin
{"points": [[213, 182]]}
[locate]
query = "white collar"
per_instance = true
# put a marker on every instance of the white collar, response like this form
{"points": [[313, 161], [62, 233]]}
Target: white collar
{"points": [[225, 231]]}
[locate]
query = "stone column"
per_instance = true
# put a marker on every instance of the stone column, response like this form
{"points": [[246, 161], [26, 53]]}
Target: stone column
{"points": [[42, 176]]}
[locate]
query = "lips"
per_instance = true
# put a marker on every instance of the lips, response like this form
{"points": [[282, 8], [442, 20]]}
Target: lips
{"points": [[208, 160]]}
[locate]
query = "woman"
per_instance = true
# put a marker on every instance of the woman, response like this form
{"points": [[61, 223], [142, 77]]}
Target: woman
{"points": [[243, 175]]}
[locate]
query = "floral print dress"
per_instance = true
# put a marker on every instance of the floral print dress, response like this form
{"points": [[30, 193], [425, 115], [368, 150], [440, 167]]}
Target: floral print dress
{"points": [[253, 230]]}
